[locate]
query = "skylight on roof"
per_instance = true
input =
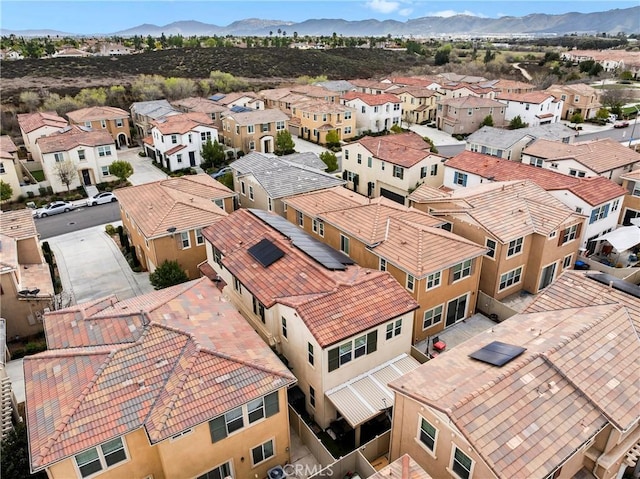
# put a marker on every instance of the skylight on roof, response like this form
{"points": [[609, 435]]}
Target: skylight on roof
{"points": [[497, 353]]}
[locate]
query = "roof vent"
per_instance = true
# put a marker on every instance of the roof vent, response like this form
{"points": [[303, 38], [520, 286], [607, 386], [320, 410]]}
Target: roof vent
{"points": [[497, 353]]}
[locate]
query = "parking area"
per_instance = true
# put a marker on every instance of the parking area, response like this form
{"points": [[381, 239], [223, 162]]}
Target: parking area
{"points": [[143, 169]]}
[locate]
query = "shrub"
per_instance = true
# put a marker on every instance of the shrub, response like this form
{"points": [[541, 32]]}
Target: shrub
{"points": [[142, 153], [110, 230], [167, 274], [42, 190], [30, 194], [33, 348]]}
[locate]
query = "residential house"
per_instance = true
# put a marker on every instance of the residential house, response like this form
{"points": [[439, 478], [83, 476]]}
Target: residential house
{"points": [[318, 92], [604, 157], [534, 108], [464, 115], [239, 101], [70, 52], [529, 234], [455, 89], [508, 144], [8, 401], [253, 130], [10, 54], [335, 322], [202, 105], [37, 125], [439, 269], [263, 182], [313, 119], [502, 85], [451, 77], [418, 104], [374, 112], [114, 120], [25, 281], [145, 112], [111, 49], [552, 392], [340, 87], [599, 199], [371, 87], [178, 139], [164, 219], [90, 151], [579, 98], [424, 82], [280, 98], [10, 168], [631, 204], [611, 60], [390, 165], [158, 385]]}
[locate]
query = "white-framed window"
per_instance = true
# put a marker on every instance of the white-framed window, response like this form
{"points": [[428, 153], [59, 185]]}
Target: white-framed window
{"points": [[411, 282], [344, 353], [461, 464], [236, 419], [599, 213], [344, 244], [252, 145], [554, 166], [423, 172], [174, 139], [199, 236], [347, 130], [81, 155], [636, 189], [119, 122], [104, 170], [184, 240], [376, 109], [427, 434], [219, 472], [347, 116], [103, 123], [269, 204], [398, 172], [433, 280], [312, 397], [382, 165], [461, 270], [432, 316], [510, 278], [237, 285], [578, 173], [279, 125], [237, 129], [569, 234], [615, 205], [383, 264], [262, 452], [250, 192], [346, 157], [491, 246], [318, 227], [460, 178], [104, 151], [255, 410], [394, 328], [181, 434], [284, 326], [179, 157], [396, 106], [87, 124], [515, 247], [434, 170], [251, 129], [59, 157], [300, 219], [554, 233], [243, 188], [359, 158], [265, 127], [369, 161], [2, 170], [566, 262], [101, 457], [205, 135], [537, 162]]}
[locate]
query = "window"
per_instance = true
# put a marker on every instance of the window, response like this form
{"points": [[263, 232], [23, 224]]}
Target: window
{"points": [[434, 170], [347, 130], [347, 116], [284, 326], [599, 213], [87, 124], [312, 396], [554, 166], [102, 457], [300, 218], [460, 178], [341, 355], [396, 106], [346, 157], [258, 309], [537, 162], [423, 172], [179, 157], [398, 172], [174, 139], [491, 246], [234, 420], [615, 205], [190, 141], [461, 270], [462, 464], [237, 129], [252, 145], [59, 157], [265, 127], [359, 159], [237, 285], [554, 233], [431, 317], [199, 236], [410, 282], [250, 192], [262, 452], [578, 173], [344, 244], [251, 129], [279, 125], [104, 151], [510, 278], [103, 123], [382, 165], [310, 356], [81, 155], [255, 410], [369, 161], [105, 171], [566, 263], [515, 247], [433, 280], [220, 472], [427, 434], [184, 240], [205, 135], [318, 227], [243, 188], [269, 204], [394, 328], [636, 189], [383, 264], [569, 234]]}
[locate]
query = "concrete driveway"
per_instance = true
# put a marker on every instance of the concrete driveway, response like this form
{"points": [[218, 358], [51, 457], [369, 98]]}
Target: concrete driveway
{"points": [[91, 266], [143, 169]]}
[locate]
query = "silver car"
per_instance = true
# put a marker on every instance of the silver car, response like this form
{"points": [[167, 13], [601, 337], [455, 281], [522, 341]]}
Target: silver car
{"points": [[53, 208]]}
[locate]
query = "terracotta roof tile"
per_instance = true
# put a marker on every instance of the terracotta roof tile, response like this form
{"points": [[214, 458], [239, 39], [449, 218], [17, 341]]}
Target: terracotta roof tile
{"points": [[528, 97], [316, 202], [7, 145], [403, 149], [32, 121], [182, 123], [198, 104], [472, 102], [73, 138], [18, 224], [97, 113], [371, 99]]}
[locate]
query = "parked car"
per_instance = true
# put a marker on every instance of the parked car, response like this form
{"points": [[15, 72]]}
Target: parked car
{"points": [[220, 172], [53, 208], [621, 124], [101, 198]]}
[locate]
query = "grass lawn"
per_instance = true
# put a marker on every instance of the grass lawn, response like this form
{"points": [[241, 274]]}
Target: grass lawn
{"points": [[38, 175]]}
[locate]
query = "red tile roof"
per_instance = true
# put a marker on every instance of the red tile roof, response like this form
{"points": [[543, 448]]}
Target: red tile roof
{"points": [[536, 97], [32, 121], [189, 357], [403, 149], [97, 113], [73, 138], [595, 190], [7, 146], [371, 99], [182, 123], [334, 305]]}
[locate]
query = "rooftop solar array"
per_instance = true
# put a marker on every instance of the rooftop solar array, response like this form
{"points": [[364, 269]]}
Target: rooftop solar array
{"points": [[217, 97], [265, 252], [497, 353], [320, 252], [616, 283], [240, 109]]}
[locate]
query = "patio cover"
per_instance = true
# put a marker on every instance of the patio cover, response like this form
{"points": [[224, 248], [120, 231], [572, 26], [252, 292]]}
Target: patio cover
{"points": [[622, 239], [366, 396]]}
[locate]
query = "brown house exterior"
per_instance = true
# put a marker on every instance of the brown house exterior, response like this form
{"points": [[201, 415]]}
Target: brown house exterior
{"points": [[253, 130], [579, 98], [164, 220], [465, 114], [114, 120], [631, 204]]}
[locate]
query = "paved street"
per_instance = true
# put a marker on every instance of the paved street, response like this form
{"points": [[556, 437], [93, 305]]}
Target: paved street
{"points": [[78, 219]]}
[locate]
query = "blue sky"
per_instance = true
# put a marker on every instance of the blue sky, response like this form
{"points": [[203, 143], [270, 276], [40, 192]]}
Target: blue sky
{"points": [[84, 17]]}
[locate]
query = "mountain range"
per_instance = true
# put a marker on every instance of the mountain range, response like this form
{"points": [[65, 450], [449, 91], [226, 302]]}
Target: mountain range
{"points": [[610, 22]]}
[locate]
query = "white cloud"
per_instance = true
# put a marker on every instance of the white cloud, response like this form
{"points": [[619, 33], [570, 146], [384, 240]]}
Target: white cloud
{"points": [[382, 6], [451, 13], [405, 12]]}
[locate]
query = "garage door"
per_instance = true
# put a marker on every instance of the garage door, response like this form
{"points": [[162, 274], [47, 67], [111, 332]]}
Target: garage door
{"points": [[392, 196]]}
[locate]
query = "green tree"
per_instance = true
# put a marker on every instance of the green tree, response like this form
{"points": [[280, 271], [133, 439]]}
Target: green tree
{"points": [[284, 143], [226, 82], [595, 70], [212, 154], [147, 87], [333, 139], [329, 158], [488, 56], [169, 273], [151, 43], [517, 123], [488, 121], [577, 118], [14, 457], [6, 192], [122, 169], [442, 55], [178, 88], [66, 173], [602, 114], [30, 100], [626, 75], [91, 97], [431, 144]]}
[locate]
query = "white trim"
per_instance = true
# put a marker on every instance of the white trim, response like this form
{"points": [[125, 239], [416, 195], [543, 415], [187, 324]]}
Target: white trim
{"points": [[273, 444], [432, 453]]}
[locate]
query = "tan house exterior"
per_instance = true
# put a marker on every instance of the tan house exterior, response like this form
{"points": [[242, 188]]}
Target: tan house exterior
{"points": [[164, 220], [418, 104], [530, 235], [631, 203], [332, 320], [164, 382], [37, 125], [545, 412], [390, 166], [25, 281], [439, 269], [464, 115], [315, 118], [253, 130], [202, 105], [10, 168], [143, 113], [579, 98], [114, 120]]}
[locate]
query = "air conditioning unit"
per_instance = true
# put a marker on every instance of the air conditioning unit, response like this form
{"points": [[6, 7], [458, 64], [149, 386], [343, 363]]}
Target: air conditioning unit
{"points": [[276, 473]]}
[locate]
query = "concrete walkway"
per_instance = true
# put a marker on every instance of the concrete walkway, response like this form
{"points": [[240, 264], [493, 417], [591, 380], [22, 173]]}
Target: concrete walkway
{"points": [[91, 266], [143, 169]]}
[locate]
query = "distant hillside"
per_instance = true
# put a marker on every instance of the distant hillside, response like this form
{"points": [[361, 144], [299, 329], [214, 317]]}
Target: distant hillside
{"points": [[611, 22]]}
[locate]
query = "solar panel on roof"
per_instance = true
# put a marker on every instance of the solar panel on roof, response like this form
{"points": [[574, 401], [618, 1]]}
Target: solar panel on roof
{"points": [[497, 353], [216, 97], [616, 283], [265, 252], [240, 109]]}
